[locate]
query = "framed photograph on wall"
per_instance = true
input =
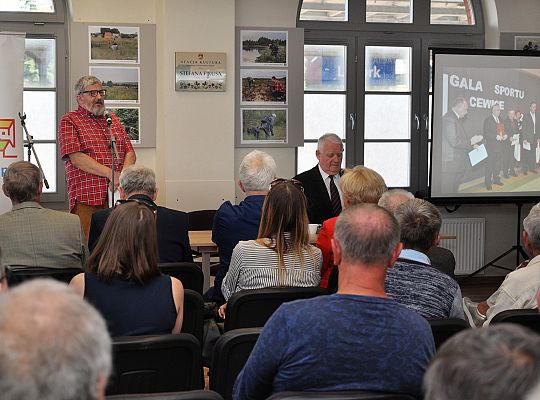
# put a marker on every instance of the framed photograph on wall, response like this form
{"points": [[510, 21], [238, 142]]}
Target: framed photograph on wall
{"points": [[130, 118], [121, 83], [264, 125], [263, 48], [263, 86], [527, 43], [113, 44]]}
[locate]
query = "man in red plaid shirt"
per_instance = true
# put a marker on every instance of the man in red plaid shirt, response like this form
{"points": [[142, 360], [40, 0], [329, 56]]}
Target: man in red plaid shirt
{"points": [[84, 146]]}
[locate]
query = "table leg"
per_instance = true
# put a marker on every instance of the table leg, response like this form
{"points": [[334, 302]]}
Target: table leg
{"points": [[206, 270]]}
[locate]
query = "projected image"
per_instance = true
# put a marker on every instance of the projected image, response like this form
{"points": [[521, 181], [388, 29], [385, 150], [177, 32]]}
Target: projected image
{"points": [[486, 141]]}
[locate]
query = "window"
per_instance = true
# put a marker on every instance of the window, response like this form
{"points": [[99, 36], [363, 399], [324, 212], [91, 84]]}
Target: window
{"points": [[45, 81], [367, 79]]}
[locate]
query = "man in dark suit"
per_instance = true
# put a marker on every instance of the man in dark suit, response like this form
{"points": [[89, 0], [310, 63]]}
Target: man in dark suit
{"points": [[138, 183], [321, 183], [529, 138], [494, 136]]}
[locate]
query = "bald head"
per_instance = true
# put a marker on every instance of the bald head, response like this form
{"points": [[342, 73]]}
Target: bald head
{"points": [[367, 234], [391, 199], [54, 345]]}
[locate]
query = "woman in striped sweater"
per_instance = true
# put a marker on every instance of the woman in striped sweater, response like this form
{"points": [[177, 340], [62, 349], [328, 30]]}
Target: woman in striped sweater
{"points": [[282, 255]]}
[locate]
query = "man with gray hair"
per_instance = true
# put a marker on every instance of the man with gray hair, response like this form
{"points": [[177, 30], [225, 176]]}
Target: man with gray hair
{"points": [[357, 339], [393, 198], [234, 223], [84, 141], [138, 184], [413, 282], [321, 183], [34, 236], [497, 362], [520, 287], [54, 345]]}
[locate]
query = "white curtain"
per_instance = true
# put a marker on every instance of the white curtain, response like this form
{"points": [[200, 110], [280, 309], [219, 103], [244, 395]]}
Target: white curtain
{"points": [[11, 103]]}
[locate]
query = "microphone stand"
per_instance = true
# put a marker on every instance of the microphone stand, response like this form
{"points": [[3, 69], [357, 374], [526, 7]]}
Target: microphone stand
{"points": [[114, 154], [30, 145]]}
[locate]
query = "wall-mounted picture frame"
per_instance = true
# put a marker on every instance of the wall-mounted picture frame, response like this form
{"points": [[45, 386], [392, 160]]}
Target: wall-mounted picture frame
{"points": [[263, 48], [121, 83], [113, 44], [263, 86], [527, 43], [130, 118], [263, 125]]}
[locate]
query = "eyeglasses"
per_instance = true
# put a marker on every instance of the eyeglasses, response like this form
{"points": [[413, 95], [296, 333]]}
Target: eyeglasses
{"points": [[94, 93], [296, 183], [150, 206]]}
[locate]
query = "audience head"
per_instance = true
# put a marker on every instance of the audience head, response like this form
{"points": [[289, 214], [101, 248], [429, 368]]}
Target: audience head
{"points": [[55, 346], [257, 171], [127, 248], [531, 227], [361, 185], [88, 94], [391, 199], [138, 179], [23, 181], [366, 234], [330, 153], [420, 223], [501, 361]]}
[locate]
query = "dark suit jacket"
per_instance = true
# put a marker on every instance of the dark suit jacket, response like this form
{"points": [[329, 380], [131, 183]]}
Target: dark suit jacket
{"points": [[319, 206], [490, 136], [172, 232], [527, 131]]}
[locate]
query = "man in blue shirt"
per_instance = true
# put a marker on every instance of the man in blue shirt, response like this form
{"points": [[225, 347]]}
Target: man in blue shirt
{"points": [[357, 339], [233, 223]]}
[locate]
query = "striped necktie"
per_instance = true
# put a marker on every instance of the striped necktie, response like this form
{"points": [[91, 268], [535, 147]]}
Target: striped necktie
{"points": [[334, 197]]}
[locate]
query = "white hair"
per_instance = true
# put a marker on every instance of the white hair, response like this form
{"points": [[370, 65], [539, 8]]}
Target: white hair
{"points": [[328, 138], [257, 170]]}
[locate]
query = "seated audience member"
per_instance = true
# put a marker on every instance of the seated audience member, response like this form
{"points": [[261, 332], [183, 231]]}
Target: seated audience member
{"points": [[412, 281], [520, 287], [138, 184], [497, 362], [54, 345], [441, 258], [322, 182], [282, 255], [33, 236], [234, 223], [124, 282], [358, 185], [357, 339]]}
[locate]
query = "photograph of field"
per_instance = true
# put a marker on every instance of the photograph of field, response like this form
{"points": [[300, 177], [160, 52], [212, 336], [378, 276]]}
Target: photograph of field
{"points": [[263, 48], [121, 83], [111, 44], [263, 86], [264, 125], [129, 116]]}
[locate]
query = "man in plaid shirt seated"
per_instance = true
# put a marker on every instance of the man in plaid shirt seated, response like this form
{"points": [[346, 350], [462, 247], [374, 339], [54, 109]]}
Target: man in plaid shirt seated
{"points": [[84, 146]]}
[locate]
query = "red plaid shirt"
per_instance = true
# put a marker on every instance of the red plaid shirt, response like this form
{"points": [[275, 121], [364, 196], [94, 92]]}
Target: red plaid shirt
{"points": [[80, 131]]}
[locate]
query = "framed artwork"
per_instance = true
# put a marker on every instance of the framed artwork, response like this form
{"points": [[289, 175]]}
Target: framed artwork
{"points": [[113, 44], [263, 86], [263, 48], [121, 83], [130, 118], [263, 125]]}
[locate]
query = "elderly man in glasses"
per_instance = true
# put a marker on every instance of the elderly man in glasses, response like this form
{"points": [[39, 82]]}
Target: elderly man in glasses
{"points": [[85, 147], [138, 184]]}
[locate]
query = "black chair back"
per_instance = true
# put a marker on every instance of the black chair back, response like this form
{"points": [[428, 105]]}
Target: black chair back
{"points": [[193, 322], [231, 352], [252, 308], [188, 395], [346, 395], [526, 317], [17, 275], [201, 220], [444, 328], [152, 364], [190, 274]]}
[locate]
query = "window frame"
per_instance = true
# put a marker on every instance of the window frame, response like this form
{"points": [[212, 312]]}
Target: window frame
{"points": [[58, 16]]}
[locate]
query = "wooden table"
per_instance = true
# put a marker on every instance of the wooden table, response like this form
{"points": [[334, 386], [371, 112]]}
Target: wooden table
{"points": [[201, 241]]}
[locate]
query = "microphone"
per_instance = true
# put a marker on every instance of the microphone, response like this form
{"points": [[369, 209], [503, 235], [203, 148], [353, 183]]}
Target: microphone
{"points": [[108, 118]]}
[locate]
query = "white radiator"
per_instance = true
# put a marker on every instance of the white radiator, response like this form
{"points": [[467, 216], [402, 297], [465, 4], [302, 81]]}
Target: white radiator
{"points": [[468, 244]]}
